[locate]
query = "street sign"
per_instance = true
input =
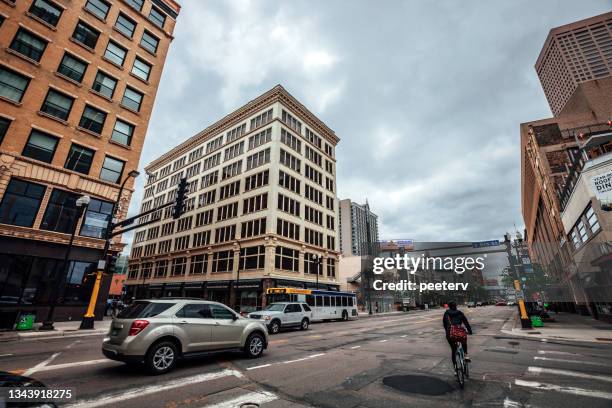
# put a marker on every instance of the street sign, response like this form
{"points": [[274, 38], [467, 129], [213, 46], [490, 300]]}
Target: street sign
{"points": [[485, 244]]}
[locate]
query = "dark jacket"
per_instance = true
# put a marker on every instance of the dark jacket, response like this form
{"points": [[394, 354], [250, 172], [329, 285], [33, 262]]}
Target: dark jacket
{"points": [[456, 317]]}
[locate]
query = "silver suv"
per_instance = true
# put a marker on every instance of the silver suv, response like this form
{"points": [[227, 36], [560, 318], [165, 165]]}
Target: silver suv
{"points": [[158, 332], [277, 315]]}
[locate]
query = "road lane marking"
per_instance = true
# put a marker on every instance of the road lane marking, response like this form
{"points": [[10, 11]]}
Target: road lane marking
{"points": [[560, 360], [508, 403], [5, 355], [355, 347], [382, 341], [117, 399], [543, 340], [577, 374], [405, 335], [256, 397], [39, 366], [567, 353], [74, 364], [568, 390], [286, 362], [259, 366], [68, 347]]}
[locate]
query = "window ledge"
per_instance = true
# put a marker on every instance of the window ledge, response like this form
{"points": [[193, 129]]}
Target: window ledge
{"points": [[46, 115], [129, 109], [122, 34], [100, 95], [12, 102], [111, 141], [41, 21], [113, 63], [23, 57], [139, 78], [149, 52], [89, 132], [72, 81], [93, 15], [10, 3], [83, 45]]}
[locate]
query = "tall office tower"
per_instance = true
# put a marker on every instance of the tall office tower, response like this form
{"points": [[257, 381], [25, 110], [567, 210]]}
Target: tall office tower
{"points": [[358, 228], [261, 210], [77, 84], [573, 54]]}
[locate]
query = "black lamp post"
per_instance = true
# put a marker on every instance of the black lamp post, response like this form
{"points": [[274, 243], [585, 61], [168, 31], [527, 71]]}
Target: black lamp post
{"points": [[238, 302], [317, 259], [81, 204]]}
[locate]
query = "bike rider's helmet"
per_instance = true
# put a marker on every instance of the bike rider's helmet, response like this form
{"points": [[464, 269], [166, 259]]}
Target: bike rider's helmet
{"points": [[452, 305]]}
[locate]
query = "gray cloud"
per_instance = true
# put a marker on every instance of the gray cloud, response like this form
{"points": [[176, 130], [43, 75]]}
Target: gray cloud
{"points": [[427, 97]]}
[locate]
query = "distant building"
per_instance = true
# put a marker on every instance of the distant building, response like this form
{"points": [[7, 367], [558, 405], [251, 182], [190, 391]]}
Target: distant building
{"points": [[358, 228]]}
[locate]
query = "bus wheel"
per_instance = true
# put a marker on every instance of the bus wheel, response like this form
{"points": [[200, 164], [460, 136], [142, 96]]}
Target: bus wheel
{"points": [[344, 315]]}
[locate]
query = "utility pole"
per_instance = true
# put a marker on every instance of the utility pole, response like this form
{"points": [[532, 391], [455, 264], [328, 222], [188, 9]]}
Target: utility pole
{"points": [[514, 271]]}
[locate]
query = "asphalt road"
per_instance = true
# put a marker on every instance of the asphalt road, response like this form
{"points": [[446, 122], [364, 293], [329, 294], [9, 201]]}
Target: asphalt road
{"points": [[340, 364]]}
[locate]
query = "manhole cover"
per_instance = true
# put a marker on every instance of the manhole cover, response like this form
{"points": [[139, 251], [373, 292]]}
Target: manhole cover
{"points": [[418, 384]]}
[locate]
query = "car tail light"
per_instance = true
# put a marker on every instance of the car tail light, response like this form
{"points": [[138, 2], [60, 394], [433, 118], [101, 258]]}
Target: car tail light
{"points": [[138, 326]]}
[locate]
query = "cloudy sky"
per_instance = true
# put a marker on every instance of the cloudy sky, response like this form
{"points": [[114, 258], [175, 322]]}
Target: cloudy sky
{"points": [[426, 96]]}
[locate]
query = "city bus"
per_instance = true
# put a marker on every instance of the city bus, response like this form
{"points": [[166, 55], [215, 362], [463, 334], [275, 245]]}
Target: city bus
{"points": [[325, 304]]}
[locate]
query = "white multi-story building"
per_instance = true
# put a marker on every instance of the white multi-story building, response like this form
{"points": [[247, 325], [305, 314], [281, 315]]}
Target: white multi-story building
{"points": [[261, 210]]}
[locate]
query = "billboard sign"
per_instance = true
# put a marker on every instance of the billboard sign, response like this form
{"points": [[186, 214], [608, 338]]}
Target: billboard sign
{"points": [[602, 185], [485, 244]]}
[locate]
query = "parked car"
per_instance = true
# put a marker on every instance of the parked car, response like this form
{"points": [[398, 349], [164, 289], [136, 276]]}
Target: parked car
{"points": [[470, 304], [159, 332], [10, 380], [500, 304], [479, 303], [284, 314]]}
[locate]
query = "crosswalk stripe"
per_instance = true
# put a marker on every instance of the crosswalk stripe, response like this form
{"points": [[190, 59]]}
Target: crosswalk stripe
{"points": [[577, 374], [258, 398], [567, 353], [560, 360], [117, 398], [567, 390]]}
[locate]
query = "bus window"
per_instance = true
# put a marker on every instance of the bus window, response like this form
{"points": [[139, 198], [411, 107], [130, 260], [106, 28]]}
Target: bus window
{"points": [[325, 300], [333, 301], [310, 300], [344, 301], [351, 301], [319, 300]]}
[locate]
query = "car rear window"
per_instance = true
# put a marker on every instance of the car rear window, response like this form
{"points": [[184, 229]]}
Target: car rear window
{"points": [[306, 308], [140, 310]]}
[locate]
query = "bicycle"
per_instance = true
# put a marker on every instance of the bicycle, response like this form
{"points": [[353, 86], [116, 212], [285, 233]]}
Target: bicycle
{"points": [[461, 366]]}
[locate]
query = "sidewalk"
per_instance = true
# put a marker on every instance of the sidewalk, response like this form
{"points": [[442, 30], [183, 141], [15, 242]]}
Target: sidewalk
{"points": [[567, 326], [62, 329]]}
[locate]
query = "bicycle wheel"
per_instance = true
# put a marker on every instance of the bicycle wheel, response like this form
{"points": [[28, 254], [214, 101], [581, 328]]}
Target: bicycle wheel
{"points": [[459, 368], [466, 369]]}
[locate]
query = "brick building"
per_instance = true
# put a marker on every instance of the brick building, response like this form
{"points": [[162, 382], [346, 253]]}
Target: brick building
{"points": [[77, 84], [575, 71], [261, 210]]}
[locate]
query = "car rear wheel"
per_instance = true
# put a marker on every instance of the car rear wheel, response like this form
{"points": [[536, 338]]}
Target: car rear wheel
{"points": [[304, 324], [254, 345], [274, 327], [161, 357]]}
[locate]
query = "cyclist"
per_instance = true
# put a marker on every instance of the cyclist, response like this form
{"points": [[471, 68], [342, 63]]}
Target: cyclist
{"points": [[455, 317]]}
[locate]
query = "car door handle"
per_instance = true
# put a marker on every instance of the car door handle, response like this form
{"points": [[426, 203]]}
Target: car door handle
{"points": [[217, 324], [183, 322]]}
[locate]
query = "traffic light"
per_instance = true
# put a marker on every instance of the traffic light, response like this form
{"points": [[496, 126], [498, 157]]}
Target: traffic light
{"points": [[181, 194], [112, 263]]}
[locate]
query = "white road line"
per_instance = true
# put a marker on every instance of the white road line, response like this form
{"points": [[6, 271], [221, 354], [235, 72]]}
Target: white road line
{"points": [[259, 366], [39, 366], [355, 347], [405, 335], [560, 360], [567, 353], [540, 370], [285, 362], [568, 390], [258, 398], [74, 364], [382, 341], [68, 347], [5, 355], [117, 398], [543, 340], [508, 403]]}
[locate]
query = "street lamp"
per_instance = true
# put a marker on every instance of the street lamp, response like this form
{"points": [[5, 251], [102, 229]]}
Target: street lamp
{"points": [[88, 319], [81, 204], [236, 286], [317, 259]]}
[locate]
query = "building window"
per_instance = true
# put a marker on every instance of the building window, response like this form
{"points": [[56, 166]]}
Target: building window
{"points": [[97, 218], [233, 151], [72, 68], [112, 169], [199, 264], [181, 243], [132, 99], [57, 104], [287, 259], [223, 261], [224, 234], [201, 238], [178, 266], [157, 17], [104, 84], [125, 25], [258, 159], [98, 8], [260, 138], [253, 228], [289, 182], [21, 203], [61, 212], [12, 84], [40, 146], [256, 180], [287, 229], [79, 159], [585, 228], [92, 119], [86, 35], [137, 4], [46, 11], [331, 267], [252, 257], [149, 42], [4, 125], [122, 132], [227, 211], [261, 119], [292, 122], [229, 190], [231, 170], [161, 268], [204, 218], [290, 161], [313, 237], [235, 133], [141, 69], [28, 45], [115, 53], [288, 205], [291, 141]]}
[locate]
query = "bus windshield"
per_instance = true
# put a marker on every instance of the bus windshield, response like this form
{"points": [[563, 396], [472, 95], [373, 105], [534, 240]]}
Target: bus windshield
{"points": [[275, 307]]}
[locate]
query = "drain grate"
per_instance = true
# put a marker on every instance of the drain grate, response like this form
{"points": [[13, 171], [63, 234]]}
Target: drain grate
{"points": [[418, 384]]}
